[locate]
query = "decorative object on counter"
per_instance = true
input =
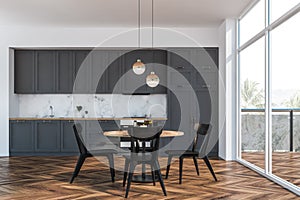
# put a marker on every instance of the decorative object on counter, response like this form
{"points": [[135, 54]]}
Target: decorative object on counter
{"points": [[86, 113], [51, 111], [152, 80], [138, 67]]}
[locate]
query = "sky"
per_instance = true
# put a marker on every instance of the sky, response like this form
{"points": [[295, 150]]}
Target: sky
{"points": [[284, 48]]}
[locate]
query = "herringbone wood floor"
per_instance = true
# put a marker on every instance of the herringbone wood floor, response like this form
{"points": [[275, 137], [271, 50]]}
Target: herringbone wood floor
{"points": [[284, 164], [48, 178]]}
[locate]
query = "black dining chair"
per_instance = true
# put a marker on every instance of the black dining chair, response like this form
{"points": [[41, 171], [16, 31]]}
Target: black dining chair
{"points": [[84, 153], [141, 155], [198, 151]]}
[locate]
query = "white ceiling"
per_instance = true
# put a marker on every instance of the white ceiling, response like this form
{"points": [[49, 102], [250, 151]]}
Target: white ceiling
{"points": [[118, 13]]}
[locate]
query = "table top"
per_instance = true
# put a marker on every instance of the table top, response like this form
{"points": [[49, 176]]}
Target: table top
{"points": [[165, 133]]}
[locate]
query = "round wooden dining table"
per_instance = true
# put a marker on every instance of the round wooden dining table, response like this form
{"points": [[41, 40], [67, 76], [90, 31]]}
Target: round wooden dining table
{"points": [[124, 133]]}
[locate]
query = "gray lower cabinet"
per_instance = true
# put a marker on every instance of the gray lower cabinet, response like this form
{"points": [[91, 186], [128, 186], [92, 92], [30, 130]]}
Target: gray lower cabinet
{"points": [[67, 138], [47, 136], [21, 136], [42, 137]]}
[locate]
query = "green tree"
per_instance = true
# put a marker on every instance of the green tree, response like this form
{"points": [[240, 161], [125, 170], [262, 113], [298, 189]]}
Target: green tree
{"points": [[251, 95], [293, 102]]}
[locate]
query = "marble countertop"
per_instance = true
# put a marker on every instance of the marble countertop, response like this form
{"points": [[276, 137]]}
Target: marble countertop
{"points": [[88, 118]]}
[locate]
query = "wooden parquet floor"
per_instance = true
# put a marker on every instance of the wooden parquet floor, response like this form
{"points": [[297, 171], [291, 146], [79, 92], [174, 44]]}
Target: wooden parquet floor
{"points": [[41, 178], [286, 165]]}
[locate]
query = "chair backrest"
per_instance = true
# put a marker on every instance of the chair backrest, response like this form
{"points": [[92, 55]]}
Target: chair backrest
{"points": [[202, 130], [78, 131], [145, 134]]}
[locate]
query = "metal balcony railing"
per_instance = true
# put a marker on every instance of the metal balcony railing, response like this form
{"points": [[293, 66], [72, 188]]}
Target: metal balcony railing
{"points": [[291, 112]]}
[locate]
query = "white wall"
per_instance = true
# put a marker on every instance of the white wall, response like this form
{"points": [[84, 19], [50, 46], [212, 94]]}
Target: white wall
{"points": [[227, 92], [77, 37]]}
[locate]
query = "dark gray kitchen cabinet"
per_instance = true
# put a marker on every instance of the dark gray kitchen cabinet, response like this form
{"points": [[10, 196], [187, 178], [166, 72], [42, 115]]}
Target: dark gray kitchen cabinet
{"points": [[133, 83], [159, 67], [155, 61], [45, 71], [47, 136], [21, 137], [98, 65], [94, 138], [193, 70], [64, 71], [82, 79], [114, 71], [24, 72], [68, 140]]}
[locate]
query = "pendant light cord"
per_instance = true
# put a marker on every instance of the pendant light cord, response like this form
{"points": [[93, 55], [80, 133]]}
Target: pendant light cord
{"points": [[152, 23], [139, 23]]}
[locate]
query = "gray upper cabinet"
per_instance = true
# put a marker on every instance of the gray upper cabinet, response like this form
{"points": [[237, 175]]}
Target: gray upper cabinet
{"points": [[133, 83], [45, 71], [82, 81], [47, 138], [155, 61], [114, 71], [85, 71], [24, 71], [21, 137], [64, 71], [98, 66]]}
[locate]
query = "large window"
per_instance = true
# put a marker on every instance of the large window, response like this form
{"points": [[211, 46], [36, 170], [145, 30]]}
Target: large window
{"points": [[269, 99]]}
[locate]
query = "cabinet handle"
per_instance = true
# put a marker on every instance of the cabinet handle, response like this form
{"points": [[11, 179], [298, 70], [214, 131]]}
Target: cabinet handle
{"points": [[179, 67], [46, 121], [20, 121], [205, 86], [206, 67]]}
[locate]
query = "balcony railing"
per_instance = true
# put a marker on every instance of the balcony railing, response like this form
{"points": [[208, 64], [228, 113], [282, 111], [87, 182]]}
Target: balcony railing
{"points": [[290, 111]]}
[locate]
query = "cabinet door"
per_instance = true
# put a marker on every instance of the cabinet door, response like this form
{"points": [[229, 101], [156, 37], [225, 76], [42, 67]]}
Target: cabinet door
{"points": [[206, 62], [160, 68], [114, 71], [98, 66], [45, 71], [134, 83], [21, 136], [47, 136], [181, 73], [68, 140], [65, 72], [180, 117], [82, 84], [24, 72]]}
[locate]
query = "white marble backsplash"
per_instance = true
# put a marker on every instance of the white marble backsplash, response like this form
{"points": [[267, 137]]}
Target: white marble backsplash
{"points": [[103, 105]]}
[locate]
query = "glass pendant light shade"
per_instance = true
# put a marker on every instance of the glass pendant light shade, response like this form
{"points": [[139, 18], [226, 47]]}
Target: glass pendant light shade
{"points": [[138, 67], [152, 80]]}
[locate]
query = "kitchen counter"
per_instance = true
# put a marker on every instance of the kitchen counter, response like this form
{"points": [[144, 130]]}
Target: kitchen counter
{"points": [[86, 119]]}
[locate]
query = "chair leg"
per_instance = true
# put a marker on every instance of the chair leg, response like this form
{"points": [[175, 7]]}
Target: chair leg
{"points": [[157, 167], [110, 158], [125, 171], [129, 179], [79, 164], [196, 164], [168, 167], [205, 158], [180, 169], [153, 175]]}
